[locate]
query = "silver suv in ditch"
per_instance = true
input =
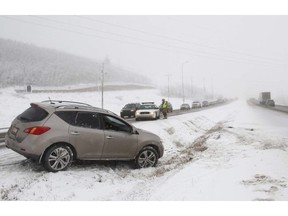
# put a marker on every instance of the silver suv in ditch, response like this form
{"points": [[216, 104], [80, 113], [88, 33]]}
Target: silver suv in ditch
{"points": [[55, 133]]}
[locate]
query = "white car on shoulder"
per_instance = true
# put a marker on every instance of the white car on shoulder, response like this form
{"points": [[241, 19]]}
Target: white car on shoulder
{"points": [[196, 104], [147, 111]]}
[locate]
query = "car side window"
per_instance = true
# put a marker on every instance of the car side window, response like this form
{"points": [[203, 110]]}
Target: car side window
{"points": [[67, 116], [112, 123], [87, 120]]}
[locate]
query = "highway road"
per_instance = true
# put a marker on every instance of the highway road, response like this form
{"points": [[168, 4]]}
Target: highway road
{"points": [[176, 112]]}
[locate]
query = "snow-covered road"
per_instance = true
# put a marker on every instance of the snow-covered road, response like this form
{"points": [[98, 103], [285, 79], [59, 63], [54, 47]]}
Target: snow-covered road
{"points": [[233, 152]]}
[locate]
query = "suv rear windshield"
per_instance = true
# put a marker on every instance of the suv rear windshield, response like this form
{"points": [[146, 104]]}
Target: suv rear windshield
{"points": [[129, 106], [33, 114]]}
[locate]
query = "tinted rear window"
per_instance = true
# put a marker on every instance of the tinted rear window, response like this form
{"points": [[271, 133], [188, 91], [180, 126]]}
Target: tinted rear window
{"points": [[67, 116], [87, 120], [129, 106], [33, 114]]}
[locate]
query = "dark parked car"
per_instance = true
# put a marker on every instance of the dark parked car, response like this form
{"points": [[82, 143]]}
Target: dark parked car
{"points": [[55, 133], [270, 103], [205, 103], [170, 107], [185, 107], [129, 110]]}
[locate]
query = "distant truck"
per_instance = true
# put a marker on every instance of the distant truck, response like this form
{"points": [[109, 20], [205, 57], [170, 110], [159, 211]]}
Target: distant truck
{"points": [[264, 97]]}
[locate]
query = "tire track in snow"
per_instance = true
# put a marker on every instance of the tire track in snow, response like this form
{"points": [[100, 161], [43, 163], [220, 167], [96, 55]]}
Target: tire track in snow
{"points": [[176, 162], [186, 155]]}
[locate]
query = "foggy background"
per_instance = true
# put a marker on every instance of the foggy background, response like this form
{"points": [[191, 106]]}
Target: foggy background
{"points": [[230, 55]]}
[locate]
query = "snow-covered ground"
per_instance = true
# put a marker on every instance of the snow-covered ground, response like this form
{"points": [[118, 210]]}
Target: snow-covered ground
{"points": [[234, 152]]}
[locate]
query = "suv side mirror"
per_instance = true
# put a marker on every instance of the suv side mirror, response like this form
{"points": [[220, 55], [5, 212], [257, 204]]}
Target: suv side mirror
{"points": [[134, 131]]}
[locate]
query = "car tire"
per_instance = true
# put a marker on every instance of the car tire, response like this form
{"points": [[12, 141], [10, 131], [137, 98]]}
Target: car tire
{"points": [[57, 158], [147, 157]]}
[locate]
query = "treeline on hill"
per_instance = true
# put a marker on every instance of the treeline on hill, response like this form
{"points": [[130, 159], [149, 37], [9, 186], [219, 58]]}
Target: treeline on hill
{"points": [[22, 64]]}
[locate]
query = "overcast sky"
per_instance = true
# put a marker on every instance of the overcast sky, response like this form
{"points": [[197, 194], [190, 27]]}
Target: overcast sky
{"points": [[239, 55]]}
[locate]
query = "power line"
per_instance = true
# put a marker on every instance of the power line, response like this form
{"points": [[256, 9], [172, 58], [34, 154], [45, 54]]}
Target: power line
{"points": [[71, 31], [109, 32], [117, 34], [182, 41], [199, 53], [93, 29]]}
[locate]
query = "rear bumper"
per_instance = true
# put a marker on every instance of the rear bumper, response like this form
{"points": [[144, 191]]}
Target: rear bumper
{"points": [[127, 113], [11, 144]]}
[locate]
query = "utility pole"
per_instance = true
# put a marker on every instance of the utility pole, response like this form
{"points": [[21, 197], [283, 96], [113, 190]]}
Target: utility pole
{"points": [[204, 88], [168, 75], [183, 81], [191, 90], [102, 86], [212, 86]]}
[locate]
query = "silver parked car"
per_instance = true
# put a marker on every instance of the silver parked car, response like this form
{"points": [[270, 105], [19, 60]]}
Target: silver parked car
{"points": [[147, 111], [56, 132], [185, 107], [196, 104]]}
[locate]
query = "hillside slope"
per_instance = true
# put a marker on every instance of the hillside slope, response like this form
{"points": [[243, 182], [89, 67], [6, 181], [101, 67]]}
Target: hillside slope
{"points": [[22, 64]]}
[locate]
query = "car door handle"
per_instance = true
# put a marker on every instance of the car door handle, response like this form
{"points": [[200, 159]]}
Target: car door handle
{"points": [[109, 137], [74, 132]]}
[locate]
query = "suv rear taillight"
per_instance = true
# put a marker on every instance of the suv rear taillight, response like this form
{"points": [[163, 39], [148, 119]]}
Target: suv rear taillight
{"points": [[38, 130]]}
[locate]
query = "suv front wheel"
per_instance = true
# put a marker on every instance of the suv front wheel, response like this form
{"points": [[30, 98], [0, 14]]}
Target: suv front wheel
{"points": [[147, 157], [58, 158]]}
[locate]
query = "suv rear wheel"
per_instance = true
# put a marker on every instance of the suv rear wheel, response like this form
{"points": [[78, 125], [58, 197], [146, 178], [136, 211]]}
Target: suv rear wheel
{"points": [[147, 157], [58, 158]]}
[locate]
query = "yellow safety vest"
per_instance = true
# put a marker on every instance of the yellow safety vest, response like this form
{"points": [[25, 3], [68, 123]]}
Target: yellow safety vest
{"points": [[164, 105]]}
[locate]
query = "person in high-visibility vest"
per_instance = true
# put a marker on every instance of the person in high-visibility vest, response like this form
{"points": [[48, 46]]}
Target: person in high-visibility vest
{"points": [[164, 108]]}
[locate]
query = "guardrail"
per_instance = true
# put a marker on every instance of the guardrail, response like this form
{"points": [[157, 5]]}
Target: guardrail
{"points": [[3, 131], [280, 108]]}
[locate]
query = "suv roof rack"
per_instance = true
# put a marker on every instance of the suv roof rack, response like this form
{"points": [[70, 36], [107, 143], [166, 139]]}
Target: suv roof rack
{"points": [[61, 101], [73, 105]]}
